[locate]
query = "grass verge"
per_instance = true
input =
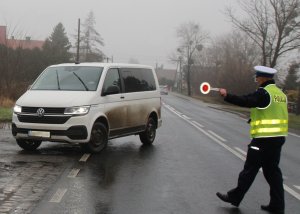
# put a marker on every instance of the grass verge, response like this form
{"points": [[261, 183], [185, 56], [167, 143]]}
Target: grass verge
{"points": [[5, 114]]}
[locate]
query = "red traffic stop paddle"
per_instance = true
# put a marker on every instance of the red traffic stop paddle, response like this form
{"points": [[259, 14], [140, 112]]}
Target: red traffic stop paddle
{"points": [[205, 88]]}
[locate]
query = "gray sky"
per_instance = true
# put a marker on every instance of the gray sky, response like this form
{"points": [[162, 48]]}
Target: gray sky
{"points": [[144, 30]]}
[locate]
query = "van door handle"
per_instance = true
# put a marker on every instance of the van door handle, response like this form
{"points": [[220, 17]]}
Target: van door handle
{"points": [[122, 97]]}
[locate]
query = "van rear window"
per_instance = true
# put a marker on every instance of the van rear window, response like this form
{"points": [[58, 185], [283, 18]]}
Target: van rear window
{"points": [[138, 79], [69, 78]]}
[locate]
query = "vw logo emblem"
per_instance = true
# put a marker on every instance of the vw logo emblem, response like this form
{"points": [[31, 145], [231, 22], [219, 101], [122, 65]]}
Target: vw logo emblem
{"points": [[40, 112]]}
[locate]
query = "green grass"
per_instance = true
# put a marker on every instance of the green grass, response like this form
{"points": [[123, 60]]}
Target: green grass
{"points": [[5, 114]]}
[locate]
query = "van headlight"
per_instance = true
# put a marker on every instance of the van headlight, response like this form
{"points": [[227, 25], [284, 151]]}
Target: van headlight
{"points": [[78, 110], [17, 109]]}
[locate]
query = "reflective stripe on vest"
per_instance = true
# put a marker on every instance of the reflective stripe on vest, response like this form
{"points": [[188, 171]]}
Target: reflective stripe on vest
{"points": [[271, 121]]}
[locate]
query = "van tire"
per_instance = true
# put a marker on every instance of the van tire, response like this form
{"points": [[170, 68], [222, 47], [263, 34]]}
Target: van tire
{"points": [[98, 140], [29, 145], [147, 137]]}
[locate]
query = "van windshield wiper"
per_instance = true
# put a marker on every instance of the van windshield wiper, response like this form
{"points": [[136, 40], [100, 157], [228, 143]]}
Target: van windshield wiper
{"points": [[86, 88], [58, 85]]}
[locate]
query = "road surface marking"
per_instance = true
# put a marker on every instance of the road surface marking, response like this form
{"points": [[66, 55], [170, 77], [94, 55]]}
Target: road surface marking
{"points": [[295, 135], [197, 124], [56, 198], [217, 136], [178, 112], [220, 143], [84, 157], [73, 173], [186, 117], [298, 187], [286, 188], [241, 151], [291, 191]]}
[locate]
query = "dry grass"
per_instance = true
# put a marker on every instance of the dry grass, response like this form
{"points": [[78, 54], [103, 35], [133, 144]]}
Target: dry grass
{"points": [[6, 102]]}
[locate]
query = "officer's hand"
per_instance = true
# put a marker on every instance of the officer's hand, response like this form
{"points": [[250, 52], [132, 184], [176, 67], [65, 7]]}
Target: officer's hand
{"points": [[223, 92]]}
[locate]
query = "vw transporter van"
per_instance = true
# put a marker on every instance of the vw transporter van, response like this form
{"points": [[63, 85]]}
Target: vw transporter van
{"points": [[88, 103]]}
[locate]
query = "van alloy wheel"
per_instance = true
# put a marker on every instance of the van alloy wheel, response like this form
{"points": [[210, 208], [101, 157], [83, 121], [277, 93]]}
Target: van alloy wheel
{"points": [[99, 138], [147, 137], [29, 145]]}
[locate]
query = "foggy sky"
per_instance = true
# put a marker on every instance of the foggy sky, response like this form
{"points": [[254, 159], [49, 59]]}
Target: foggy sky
{"points": [[144, 30]]}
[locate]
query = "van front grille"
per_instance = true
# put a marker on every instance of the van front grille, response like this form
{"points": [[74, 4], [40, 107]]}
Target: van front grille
{"points": [[48, 110], [44, 119]]}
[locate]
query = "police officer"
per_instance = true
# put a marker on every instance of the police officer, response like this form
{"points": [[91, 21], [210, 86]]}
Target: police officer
{"points": [[269, 127]]}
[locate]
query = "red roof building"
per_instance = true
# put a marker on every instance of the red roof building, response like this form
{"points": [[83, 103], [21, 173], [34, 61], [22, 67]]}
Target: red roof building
{"points": [[17, 43]]}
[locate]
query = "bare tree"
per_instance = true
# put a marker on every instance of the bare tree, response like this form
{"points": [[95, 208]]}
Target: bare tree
{"points": [[272, 24], [229, 62], [192, 38]]}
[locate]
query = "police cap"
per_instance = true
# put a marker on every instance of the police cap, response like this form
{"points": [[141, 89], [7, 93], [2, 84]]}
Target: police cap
{"points": [[263, 71]]}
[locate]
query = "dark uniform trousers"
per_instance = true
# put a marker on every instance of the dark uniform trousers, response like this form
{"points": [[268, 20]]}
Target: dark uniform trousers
{"points": [[267, 157]]}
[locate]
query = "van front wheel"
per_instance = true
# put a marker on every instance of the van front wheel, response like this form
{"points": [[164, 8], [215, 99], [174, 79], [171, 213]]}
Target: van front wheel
{"points": [[99, 138], [147, 137], [29, 145]]}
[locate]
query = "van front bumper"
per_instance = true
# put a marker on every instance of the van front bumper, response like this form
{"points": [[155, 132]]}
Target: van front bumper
{"points": [[72, 134]]}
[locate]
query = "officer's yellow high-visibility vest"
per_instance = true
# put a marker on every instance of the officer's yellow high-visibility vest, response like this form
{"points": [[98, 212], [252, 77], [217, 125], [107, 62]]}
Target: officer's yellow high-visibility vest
{"points": [[271, 121]]}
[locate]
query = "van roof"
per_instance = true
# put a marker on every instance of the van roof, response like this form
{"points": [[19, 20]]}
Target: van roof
{"points": [[100, 64]]}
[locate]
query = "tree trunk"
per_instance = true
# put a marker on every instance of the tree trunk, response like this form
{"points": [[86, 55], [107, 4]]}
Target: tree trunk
{"points": [[298, 102]]}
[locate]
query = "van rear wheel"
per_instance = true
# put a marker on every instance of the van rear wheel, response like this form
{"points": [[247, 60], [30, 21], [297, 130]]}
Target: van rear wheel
{"points": [[29, 145], [147, 137], [98, 140]]}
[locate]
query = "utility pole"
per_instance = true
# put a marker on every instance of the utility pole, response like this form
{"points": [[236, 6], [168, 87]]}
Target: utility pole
{"points": [[298, 101], [78, 42], [189, 69], [180, 75]]}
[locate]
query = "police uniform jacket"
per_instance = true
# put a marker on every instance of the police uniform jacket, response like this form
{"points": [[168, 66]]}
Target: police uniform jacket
{"points": [[260, 98]]}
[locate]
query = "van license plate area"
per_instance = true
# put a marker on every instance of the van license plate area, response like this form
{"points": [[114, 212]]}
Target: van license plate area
{"points": [[39, 134]]}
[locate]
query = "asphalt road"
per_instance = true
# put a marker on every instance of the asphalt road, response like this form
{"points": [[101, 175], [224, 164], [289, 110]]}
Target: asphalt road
{"points": [[198, 151]]}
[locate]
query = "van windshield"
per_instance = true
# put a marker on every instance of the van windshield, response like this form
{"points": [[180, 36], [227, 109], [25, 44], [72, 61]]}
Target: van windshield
{"points": [[69, 78]]}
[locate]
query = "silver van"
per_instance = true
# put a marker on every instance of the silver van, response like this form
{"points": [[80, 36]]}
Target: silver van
{"points": [[88, 103]]}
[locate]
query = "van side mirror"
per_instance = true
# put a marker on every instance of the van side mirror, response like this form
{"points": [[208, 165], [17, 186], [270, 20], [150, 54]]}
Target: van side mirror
{"points": [[113, 89]]}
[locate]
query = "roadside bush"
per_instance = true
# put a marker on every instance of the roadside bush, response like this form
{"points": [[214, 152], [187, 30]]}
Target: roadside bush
{"points": [[6, 102]]}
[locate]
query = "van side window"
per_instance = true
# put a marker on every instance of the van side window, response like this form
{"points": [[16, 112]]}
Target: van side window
{"points": [[137, 79], [148, 80], [112, 78]]}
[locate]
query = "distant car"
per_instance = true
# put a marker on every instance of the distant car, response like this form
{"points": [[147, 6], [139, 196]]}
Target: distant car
{"points": [[163, 89]]}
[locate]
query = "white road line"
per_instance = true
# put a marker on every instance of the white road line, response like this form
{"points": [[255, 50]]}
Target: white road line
{"points": [[241, 151], [196, 123], [291, 191], [295, 135], [286, 188], [85, 157], [56, 198], [178, 112], [221, 144], [217, 136], [186, 117], [298, 187], [73, 173]]}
